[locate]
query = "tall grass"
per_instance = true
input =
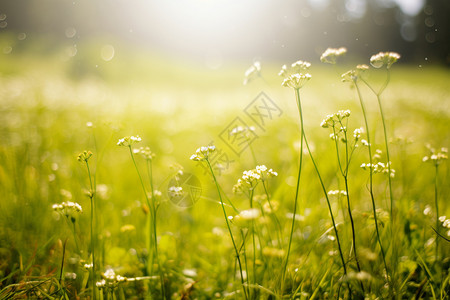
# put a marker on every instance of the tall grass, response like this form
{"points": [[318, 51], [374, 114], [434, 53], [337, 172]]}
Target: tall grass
{"points": [[286, 240]]}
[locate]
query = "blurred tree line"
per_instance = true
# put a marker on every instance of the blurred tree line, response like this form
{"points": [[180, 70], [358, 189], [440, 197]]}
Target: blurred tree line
{"points": [[364, 26]]}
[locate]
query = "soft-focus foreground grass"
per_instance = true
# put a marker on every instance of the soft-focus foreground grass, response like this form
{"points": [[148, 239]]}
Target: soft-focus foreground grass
{"points": [[45, 103]]}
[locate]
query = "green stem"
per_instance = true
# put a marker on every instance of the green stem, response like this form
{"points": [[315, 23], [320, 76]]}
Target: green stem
{"points": [[274, 216], [436, 203], [329, 206], [337, 150], [229, 228], [62, 261], [93, 235], [253, 241], [296, 197], [244, 253], [153, 218], [369, 146], [345, 174]]}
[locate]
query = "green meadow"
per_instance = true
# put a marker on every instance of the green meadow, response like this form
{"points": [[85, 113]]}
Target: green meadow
{"points": [[144, 233]]}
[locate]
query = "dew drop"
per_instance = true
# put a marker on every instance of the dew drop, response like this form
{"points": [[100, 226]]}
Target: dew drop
{"points": [[21, 36], [306, 12], [70, 32], [3, 24], [107, 52], [2, 17], [7, 50]]}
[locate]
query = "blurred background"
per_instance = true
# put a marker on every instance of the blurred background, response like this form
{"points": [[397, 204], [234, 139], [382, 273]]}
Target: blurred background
{"points": [[214, 33]]}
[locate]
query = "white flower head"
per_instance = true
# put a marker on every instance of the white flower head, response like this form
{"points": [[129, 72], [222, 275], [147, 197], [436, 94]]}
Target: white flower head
{"points": [[128, 141], [436, 157], [331, 54], [175, 191], [203, 153], [357, 133], [296, 81], [354, 74], [384, 59], [68, 209]]}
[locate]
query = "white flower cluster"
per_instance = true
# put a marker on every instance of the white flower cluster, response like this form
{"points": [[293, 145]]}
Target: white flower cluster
{"points": [[436, 157], [352, 75], [250, 178], [242, 130], [68, 208], [175, 191], [294, 78], [265, 173], [427, 210], [331, 120], [129, 140], [296, 81], [252, 72], [300, 65], [145, 152], [445, 223], [357, 133], [337, 192], [379, 167], [88, 266], [331, 54], [202, 153], [384, 59], [110, 279]]}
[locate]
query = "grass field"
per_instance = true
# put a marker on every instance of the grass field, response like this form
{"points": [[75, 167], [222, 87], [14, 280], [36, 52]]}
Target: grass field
{"points": [[51, 111]]}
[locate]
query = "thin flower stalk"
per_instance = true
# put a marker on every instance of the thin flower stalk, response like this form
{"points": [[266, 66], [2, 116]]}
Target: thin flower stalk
{"points": [[336, 121], [84, 157], [369, 147], [152, 230], [386, 60], [274, 216], [228, 224], [436, 158], [152, 234], [299, 106]]}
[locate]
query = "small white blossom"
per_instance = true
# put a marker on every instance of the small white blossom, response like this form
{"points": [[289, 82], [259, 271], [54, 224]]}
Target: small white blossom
{"points": [[296, 81], [384, 59], [202, 153], [331, 54], [300, 65], [128, 141], [175, 191], [337, 192], [68, 209], [427, 210], [357, 133], [436, 157]]}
